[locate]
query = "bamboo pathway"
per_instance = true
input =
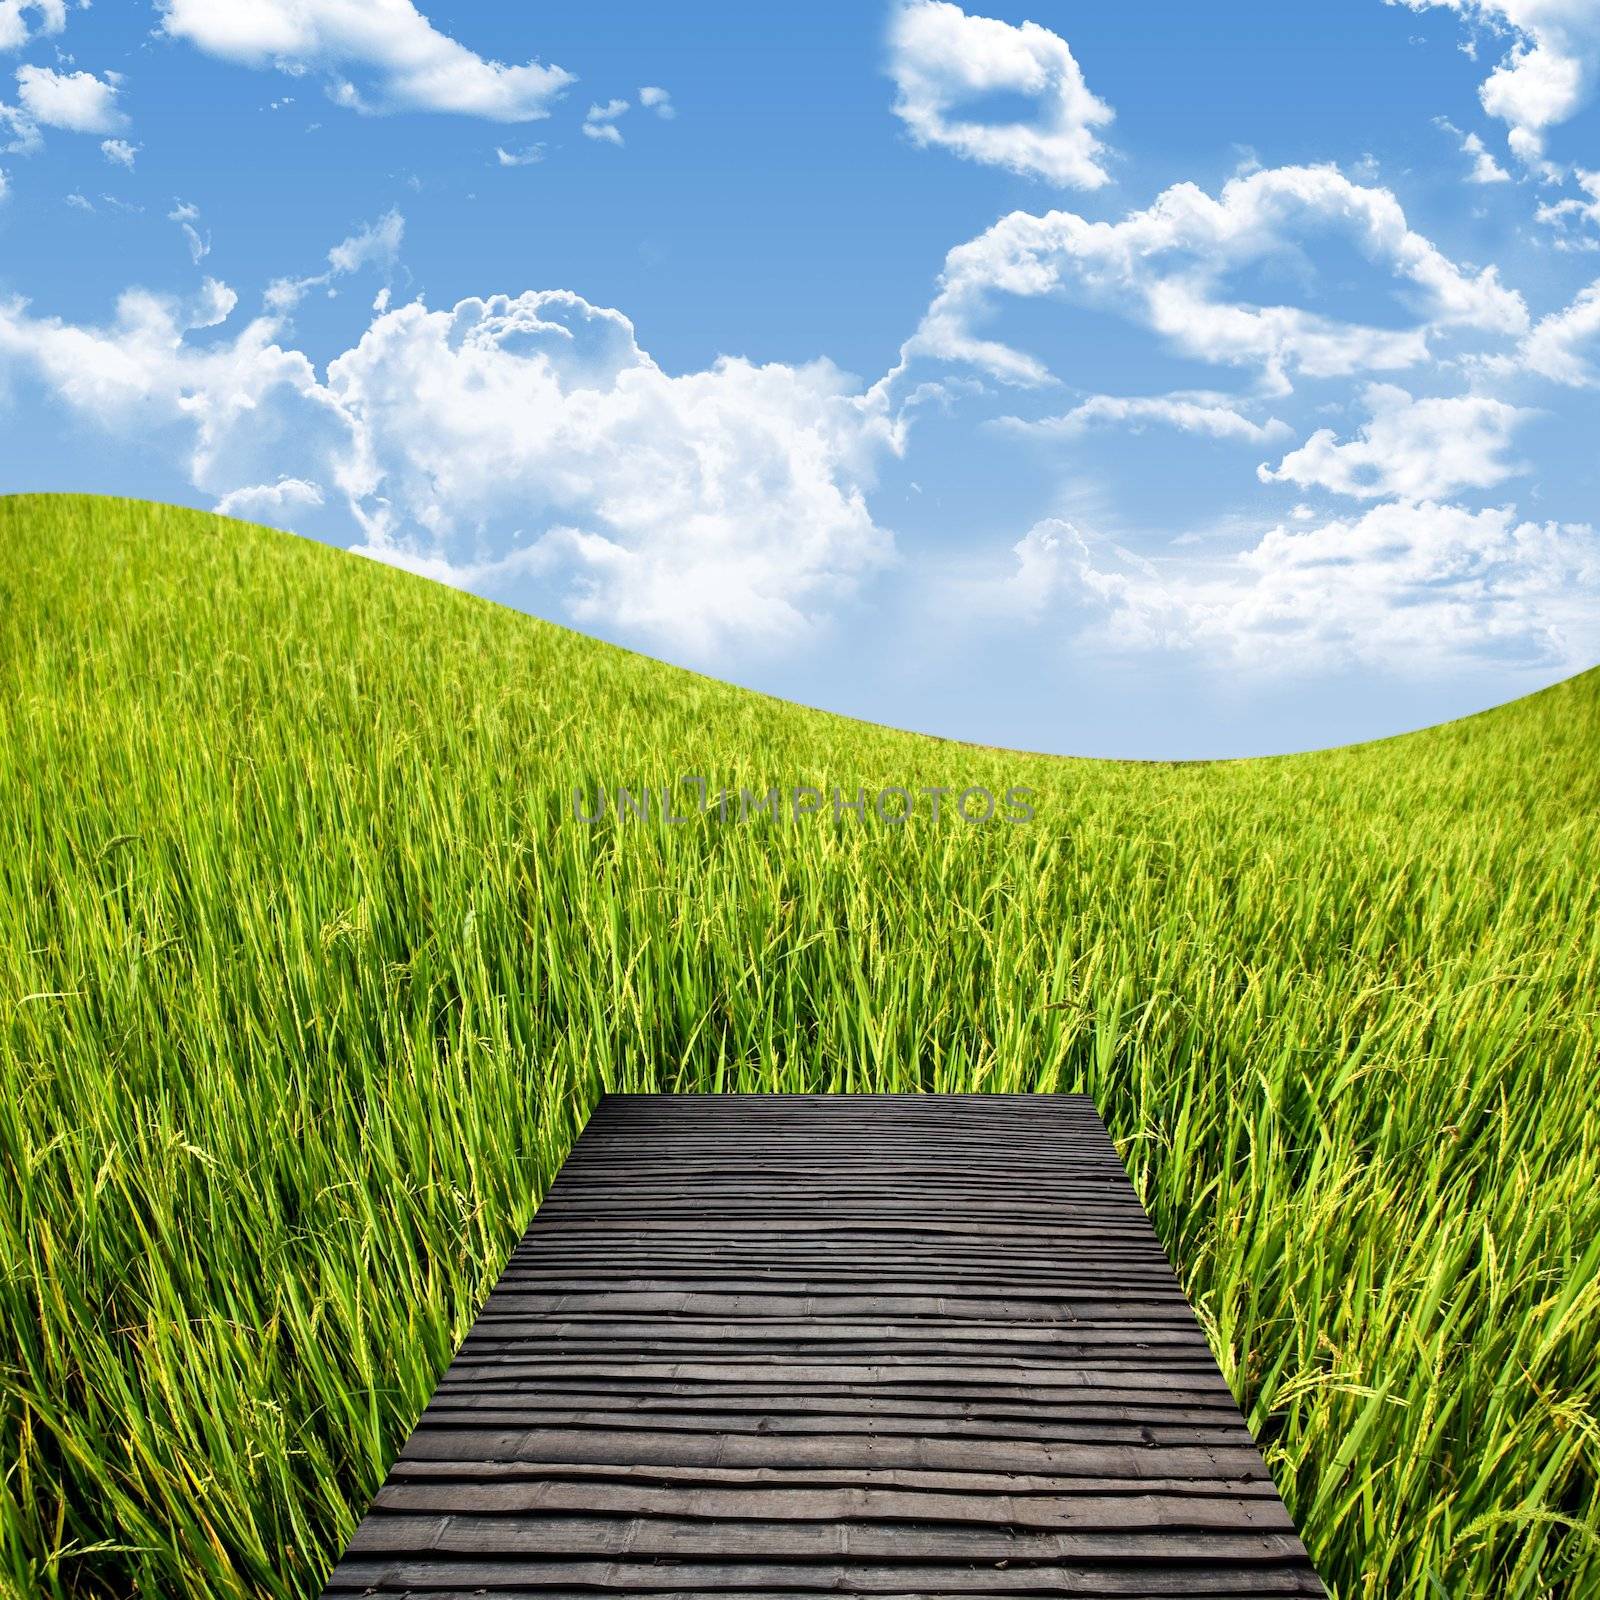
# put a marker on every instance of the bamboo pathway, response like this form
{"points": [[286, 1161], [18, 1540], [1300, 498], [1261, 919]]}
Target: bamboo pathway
{"points": [[787, 1345]]}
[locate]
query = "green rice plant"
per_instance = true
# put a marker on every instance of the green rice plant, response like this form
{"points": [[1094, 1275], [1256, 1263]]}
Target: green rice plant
{"points": [[309, 977]]}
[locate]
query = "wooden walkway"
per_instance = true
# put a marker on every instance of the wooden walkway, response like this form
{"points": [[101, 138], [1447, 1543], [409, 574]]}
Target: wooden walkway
{"points": [[919, 1345]]}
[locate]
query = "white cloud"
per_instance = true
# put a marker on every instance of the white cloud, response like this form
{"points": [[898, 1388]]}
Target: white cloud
{"points": [[1201, 412], [272, 503], [1561, 346], [658, 101], [1046, 555], [1418, 586], [282, 295], [1421, 583], [14, 30], [186, 216], [119, 151], [76, 101], [22, 136], [239, 410], [525, 157], [1485, 169], [601, 121], [941, 59], [1424, 449], [694, 512], [376, 244], [1163, 268], [1572, 217], [410, 64], [1546, 74], [1055, 577], [511, 440]]}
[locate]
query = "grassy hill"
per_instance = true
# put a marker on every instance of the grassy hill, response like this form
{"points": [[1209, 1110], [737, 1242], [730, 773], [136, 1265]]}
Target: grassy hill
{"points": [[309, 974]]}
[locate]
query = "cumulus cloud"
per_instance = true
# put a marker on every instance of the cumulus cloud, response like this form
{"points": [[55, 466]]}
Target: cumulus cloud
{"points": [[1049, 555], [1418, 449], [1548, 70], [1562, 347], [405, 62], [76, 101], [271, 502], [942, 59], [1418, 584], [601, 121], [1412, 581], [1057, 577], [524, 439], [1164, 269], [50, 16], [721, 506], [659, 101], [238, 411], [525, 157], [1199, 412], [119, 152]]}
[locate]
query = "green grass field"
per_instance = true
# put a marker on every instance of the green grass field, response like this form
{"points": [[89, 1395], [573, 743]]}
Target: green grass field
{"points": [[308, 977]]}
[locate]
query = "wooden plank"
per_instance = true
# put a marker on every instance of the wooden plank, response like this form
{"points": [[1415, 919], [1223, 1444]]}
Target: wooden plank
{"points": [[900, 1346]]}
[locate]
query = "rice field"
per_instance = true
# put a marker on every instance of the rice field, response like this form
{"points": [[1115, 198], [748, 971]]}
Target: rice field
{"points": [[309, 974]]}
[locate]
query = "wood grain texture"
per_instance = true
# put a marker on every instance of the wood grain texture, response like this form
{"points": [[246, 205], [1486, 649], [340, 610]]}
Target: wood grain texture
{"points": [[786, 1345]]}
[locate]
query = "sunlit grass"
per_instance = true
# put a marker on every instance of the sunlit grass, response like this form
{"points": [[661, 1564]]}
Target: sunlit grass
{"points": [[308, 978]]}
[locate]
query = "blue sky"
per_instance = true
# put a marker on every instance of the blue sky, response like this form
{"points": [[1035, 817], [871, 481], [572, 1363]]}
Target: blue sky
{"points": [[1148, 380]]}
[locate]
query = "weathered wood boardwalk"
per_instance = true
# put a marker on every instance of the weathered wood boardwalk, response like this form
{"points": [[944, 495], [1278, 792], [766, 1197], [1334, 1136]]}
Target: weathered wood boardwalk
{"points": [[919, 1345]]}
